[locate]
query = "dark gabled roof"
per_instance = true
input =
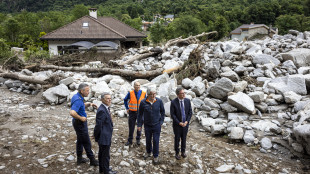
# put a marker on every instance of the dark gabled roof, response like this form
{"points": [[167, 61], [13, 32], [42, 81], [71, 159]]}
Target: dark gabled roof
{"points": [[248, 26], [119, 26], [104, 28]]}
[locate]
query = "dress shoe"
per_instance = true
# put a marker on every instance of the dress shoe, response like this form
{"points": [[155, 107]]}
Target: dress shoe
{"points": [[112, 172], [146, 155], [81, 160], [156, 160], [138, 142], [93, 162], [183, 154], [177, 156], [128, 143]]}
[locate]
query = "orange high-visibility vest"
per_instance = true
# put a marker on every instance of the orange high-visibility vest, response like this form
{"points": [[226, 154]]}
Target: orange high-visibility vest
{"points": [[133, 104]]}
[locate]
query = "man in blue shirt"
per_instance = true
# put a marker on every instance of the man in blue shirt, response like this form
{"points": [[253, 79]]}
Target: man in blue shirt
{"points": [[151, 114], [79, 122], [132, 102]]}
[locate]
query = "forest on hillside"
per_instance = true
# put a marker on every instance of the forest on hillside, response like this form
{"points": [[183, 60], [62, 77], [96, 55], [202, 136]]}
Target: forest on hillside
{"points": [[24, 21]]}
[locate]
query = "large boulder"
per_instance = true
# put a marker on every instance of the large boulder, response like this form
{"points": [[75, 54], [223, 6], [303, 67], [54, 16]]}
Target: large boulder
{"points": [[242, 102], [220, 89], [264, 59], [99, 88], [295, 83], [302, 133], [300, 56], [263, 125], [198, 87], [52, 94], [170, 64], [66, 81], [186, 83], [160, 79], [166, 88]]}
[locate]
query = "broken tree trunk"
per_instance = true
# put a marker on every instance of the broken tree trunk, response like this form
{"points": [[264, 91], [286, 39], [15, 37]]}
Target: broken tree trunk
{"points": [[120, 72], [138, 57], [189, 39], [29, 79]]}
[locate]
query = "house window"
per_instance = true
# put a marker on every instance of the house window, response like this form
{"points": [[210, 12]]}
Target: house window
{"points": [[85, 25]]}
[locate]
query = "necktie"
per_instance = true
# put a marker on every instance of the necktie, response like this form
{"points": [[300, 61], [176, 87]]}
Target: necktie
{"points": [[110, 113], [182, 111]]}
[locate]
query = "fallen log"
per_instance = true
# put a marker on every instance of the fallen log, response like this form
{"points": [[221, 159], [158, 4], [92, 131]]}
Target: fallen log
{"points": [[120, 72], [24, 78], [189, 39]]}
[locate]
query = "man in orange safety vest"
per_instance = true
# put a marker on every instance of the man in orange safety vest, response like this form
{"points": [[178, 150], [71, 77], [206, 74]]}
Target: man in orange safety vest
{"points": [[132, 102]]}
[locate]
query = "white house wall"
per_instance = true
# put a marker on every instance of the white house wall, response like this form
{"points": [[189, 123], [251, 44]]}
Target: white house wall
{"points": [[53, 50]]}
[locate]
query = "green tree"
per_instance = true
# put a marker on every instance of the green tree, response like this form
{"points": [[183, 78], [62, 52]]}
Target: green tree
{"points": [[157, 33], [221, 26], [188, 25], [79, 11], [287, 22], [135, 23], [11, 29], [5, 52]]}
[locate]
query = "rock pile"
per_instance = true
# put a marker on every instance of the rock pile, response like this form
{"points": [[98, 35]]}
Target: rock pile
{"points": [[257, 91]]}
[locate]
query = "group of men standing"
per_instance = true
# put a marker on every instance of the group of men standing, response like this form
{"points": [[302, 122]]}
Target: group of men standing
{"points": [[144, 108]]}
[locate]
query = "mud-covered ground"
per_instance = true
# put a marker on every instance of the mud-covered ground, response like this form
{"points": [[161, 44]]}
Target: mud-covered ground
{"points": [[39, 138]]}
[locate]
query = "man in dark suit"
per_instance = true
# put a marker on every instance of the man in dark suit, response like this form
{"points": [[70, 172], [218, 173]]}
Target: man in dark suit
{"points": [[103, 134], [181, 113]]}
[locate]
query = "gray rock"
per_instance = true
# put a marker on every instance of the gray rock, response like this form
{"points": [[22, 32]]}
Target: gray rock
{"points": [[264, 59], [288, 64], [220, 89], [214, 113], [295, 83], [242, 102], [160, 79], [197, 102], [291, 97], [300, 105], [198, 86], [240, 86], [211, 103], [99, 88], [298, 147], [227, 107], [52, 94], [27, 72], [257, 96], [248, 137], [263, 125], [166, 88], [303, 70], [300, 56], [218, 129], [13, 83], [66, 81], [231, 75], [170, 64], [238, 116], [186, 83], [225, 168], [236, 133], [266, 143], [167, 109], [302, 133]]}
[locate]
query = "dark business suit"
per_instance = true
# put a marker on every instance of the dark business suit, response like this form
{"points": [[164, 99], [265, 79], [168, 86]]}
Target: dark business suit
{"points": [[179, 131], [103, 135]]}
